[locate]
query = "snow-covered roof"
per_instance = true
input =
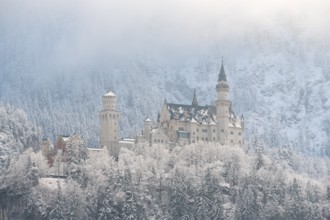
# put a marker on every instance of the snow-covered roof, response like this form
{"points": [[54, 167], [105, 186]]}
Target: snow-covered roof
{"points": [[126, 142], [94, 149], [147, 119], [234, 121], [110, 93], [193, 113], [128, 139], [66, 138], [200, 114]]}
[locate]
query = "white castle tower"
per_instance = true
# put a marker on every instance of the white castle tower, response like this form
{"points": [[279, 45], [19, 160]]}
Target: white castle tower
{"points": [[222, 105], [109, 123]]}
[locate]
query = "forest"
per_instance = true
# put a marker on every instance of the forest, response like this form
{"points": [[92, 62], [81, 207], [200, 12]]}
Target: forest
{"points": [[199, 181]]}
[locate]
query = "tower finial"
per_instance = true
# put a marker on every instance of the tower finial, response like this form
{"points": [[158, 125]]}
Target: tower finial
{"points": [[194, 101], [222, 74]]}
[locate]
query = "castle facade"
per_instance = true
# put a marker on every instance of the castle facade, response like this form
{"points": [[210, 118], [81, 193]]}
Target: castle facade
{"points": [[180, 124]]}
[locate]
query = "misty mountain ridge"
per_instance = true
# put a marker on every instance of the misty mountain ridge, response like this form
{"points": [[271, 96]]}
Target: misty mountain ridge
{"points": [[278, 71]]}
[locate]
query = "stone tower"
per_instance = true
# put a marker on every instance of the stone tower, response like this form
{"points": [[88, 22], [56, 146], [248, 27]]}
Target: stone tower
{"points": [[109, 123], [222, 104], [147, 126]]}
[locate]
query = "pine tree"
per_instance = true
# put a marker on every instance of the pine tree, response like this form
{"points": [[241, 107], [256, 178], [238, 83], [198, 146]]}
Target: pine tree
{"points": [[75, 158], [295, 208], [130, 208], [247, 205], [179, 199], [32, 176], [109, 208], [202, 206], [56, 210]]}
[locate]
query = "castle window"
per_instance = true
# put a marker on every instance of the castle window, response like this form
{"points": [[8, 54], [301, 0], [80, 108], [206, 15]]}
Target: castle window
{"points": [[202, 139], [231, 132], [214, 139], [155, 140], [206, 139], [231, 141], [239, 133], [193, 141], [222, 130], [162, 141], [213, 130], [197, 138], [193, 133], [197, 129]]}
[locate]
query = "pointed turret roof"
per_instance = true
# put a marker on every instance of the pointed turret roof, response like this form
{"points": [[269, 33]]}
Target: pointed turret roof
{"points": [[194, 101], [109, 93], [222, 74], [147, 119]]}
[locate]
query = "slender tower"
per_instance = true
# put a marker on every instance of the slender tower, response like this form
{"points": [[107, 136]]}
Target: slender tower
{"points": [[109, 123], [194, 102], [223, 104], [147, 125]]}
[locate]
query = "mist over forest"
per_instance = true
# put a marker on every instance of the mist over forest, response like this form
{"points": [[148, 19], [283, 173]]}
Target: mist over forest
{"points": [[57, 59]]}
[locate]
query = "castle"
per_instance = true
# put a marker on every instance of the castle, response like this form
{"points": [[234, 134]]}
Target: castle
{"points": [[178, 123]]}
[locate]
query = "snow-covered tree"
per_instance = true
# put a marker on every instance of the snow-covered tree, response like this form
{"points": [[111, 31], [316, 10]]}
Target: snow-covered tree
{"points": [[76, 155]]}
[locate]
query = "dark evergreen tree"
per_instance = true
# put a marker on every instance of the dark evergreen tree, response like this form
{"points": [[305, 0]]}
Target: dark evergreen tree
{"points": [[295, 208], [32, 176], [130, 207], [76, 154], [57, 209], [247, 205], [109, 208], [179, 199]]}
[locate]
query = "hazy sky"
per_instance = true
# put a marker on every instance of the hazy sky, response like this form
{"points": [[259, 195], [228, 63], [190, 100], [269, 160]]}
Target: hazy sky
{"points": [[85, 29]]}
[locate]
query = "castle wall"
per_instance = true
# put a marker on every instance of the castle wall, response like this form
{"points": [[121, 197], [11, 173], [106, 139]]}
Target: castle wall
{"points": [[235, 136], [158, 137]]}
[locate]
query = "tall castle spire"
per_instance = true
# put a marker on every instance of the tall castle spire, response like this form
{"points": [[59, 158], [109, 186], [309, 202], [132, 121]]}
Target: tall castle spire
{"points": [[194, 101], [222, 74], [223, 107]]}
